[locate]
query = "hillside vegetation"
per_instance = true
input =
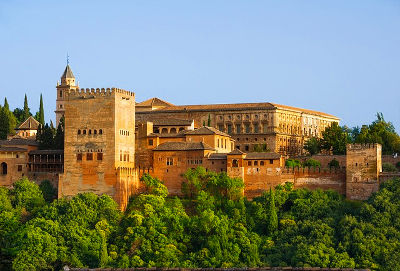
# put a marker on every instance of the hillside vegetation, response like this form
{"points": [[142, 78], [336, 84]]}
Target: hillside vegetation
{"points": [[213, 226]]}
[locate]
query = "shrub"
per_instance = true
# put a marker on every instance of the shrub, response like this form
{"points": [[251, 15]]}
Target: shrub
{"points": [[387, 167], [334, 164], [312, 163], [292, 163]]}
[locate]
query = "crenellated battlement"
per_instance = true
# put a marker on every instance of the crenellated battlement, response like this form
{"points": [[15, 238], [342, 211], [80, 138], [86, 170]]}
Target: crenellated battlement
{"points": [[362, 146], [93, 92]]}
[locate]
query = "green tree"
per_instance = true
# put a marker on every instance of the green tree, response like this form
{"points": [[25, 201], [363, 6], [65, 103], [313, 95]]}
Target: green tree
{"points": [[59, 136], [27, 112], [45, 137], [334, 139], [334, 164], [312, 163], [272, 224], [8, 121], [209, 120], [313, 146], [40, 114]]}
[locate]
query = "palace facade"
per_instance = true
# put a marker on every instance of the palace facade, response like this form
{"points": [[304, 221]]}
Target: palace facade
{"points": [[254, 126]]}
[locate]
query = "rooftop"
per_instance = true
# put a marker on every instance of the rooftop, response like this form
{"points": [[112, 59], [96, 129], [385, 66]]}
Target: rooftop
{"points": [[183, 146], [16, 141], [29, 124], [12, 149], [68, 73], [153, 102], [206, 130], [238, 107]]}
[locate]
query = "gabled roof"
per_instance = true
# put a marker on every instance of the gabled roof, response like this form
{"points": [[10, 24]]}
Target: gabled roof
{"points": [[206, 130], [153, 102], [262, 155], [217, 156], [236, 152], [182, 146], [68, 73], [29, 124]]}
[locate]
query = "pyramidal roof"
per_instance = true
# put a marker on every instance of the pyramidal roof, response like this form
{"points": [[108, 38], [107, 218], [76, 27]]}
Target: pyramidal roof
{"points": [[68, 73], [154, 102]]}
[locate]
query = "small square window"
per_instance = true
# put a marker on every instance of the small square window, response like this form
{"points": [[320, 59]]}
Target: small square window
{"points": [[79, 157], [99, 156], [150, 142], [19, 167]]}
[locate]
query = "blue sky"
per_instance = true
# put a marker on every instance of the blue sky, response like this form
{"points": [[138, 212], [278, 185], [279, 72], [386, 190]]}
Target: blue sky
{"points": [[340, 57]]}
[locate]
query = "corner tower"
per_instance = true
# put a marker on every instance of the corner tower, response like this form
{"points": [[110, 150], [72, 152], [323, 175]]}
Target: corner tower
{"points": [[67, 83]]}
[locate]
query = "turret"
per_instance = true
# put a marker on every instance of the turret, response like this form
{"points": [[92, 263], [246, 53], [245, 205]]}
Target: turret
{"points": [[67, 83]]}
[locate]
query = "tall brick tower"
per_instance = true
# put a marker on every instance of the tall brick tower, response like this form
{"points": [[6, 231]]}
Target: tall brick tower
{"points": [[67, 83], [363, 165], [99, 143]]}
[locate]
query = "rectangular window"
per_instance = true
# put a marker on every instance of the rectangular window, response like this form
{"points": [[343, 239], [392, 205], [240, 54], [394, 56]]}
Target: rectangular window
{"points": [[99, 156], [256, 128], [89, 156], [246, 148], [249, 163], [79, 157], [19, 167], [150, 142], [221, 127], [170, 161], [238, 128], [247, 128], [256, 163], [271, 161], [229, 126], [265, 128]]}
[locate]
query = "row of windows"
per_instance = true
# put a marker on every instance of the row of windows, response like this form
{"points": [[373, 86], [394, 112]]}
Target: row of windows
{"points": [[123, 156], [124, 132], [246, 128], [170, 161], [89, 156], [89, 132], [255, 139], [239, 117]]}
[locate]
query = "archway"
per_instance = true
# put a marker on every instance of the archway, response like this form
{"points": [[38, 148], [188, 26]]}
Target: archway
{"points": [[4, 168]]}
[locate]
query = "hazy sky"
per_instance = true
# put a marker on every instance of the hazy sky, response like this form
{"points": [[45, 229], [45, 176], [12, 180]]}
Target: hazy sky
{"points": [[340, 57]]}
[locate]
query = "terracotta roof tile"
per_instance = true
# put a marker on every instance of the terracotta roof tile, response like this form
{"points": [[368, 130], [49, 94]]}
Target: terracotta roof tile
{"points": [[19, 141], [12, 149], [237, 107], [154, 102], [206, 130], [182, 146]]}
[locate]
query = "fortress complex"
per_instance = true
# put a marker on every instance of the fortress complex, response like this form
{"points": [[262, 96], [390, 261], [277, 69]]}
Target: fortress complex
{"points": [[254, 126], [110, 142]]}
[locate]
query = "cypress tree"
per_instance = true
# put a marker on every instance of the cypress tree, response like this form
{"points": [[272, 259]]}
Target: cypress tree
{"points": [[59, 138], [41, 111], [209, 121], [6, 105], [27, 112], [4, 123], [272, 224]]}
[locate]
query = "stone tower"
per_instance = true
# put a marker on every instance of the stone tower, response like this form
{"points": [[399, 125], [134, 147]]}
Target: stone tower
{"points": [[99, 144], [363, 165], [67, 83]]}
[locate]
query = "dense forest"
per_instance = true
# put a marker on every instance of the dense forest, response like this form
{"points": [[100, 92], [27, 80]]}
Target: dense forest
{"points": [[212, 226]]}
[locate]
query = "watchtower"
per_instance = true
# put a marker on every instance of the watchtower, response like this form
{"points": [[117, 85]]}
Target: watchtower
{"points": [[99, 143], [67, 83], [363, 165]]}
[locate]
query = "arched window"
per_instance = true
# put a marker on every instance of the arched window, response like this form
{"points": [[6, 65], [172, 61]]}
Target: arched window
{"points": [[164, 131], [79, 132], [4, 168], [173, 131], [100, 132], [235, 163], [84, 132], [95, 132], [90, 132]]}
